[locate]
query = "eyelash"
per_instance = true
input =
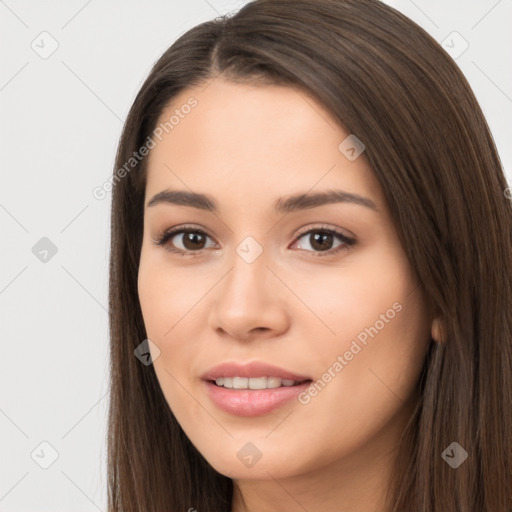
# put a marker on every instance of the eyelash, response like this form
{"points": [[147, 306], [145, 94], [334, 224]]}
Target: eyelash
{"points": [[162, 239]]}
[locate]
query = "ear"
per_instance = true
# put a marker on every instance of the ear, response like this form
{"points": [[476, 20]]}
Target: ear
{"points": [[437, 331]]}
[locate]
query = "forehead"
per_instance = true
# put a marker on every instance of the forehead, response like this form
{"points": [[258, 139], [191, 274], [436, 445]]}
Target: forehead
{"points": [[253, 119], [264, 141]]}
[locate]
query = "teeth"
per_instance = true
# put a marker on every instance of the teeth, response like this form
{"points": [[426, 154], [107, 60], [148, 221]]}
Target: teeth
{"points": [[253, 382], [273, 382]]}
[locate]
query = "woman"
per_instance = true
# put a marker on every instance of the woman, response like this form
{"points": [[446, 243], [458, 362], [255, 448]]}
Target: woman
{"points": [[310, 273]]}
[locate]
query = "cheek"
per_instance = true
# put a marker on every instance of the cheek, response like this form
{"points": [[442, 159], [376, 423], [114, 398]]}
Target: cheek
{"points": [[352, 298], [371, 365], [164, 301], [173, 305], [165, 295]]}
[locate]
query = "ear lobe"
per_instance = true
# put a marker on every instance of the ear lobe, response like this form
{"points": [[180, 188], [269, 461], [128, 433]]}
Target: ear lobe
{"points": [[437, 331]]}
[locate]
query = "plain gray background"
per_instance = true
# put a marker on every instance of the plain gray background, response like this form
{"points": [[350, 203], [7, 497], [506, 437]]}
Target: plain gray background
{"points": [[62, 115]]}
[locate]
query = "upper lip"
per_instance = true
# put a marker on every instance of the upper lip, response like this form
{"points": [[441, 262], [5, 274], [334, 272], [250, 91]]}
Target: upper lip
{"points": [[252, 369]]}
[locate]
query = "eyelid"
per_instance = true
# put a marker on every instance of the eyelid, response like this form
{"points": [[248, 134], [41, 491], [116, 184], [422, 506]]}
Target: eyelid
{"points": [[324, 227], [166, 234], [347, 241]]}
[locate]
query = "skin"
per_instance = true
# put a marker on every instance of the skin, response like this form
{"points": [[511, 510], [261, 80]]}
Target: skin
{"points": [[246, 146]]}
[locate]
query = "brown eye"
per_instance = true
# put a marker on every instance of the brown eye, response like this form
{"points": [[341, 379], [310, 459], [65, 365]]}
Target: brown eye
{"points": [[185, 240], [193, 241], [321, 241], [324, 240]]}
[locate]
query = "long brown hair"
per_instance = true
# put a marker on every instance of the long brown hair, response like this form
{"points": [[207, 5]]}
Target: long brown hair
{"points": [[390, 83]]}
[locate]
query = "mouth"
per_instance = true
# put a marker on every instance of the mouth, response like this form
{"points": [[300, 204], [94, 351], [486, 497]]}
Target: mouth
{"points": [[256, 383], [252, 388], [245, 401]]}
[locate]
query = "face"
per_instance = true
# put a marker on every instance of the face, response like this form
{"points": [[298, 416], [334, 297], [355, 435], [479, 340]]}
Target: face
{"points": [[317, 288]]}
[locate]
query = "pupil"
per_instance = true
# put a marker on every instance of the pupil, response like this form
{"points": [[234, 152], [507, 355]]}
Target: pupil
{"points": [[194, 238], [319, 240]]}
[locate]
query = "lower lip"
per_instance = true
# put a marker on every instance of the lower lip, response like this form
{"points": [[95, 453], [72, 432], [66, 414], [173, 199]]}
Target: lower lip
{"points": [[252, 402]]}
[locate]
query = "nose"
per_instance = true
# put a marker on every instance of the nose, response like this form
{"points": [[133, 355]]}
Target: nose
{"points": [[249, 302]]}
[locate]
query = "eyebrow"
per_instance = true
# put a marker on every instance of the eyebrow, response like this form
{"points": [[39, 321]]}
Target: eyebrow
{"points": [[287, 204]]}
